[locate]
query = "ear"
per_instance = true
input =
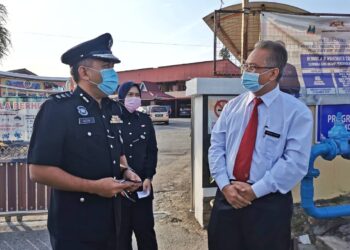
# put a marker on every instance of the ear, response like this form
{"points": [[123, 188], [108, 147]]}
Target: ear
{"points": [[274, 73], [83, 73]]}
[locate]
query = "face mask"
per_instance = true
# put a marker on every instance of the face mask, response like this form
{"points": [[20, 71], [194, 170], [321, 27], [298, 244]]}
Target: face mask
{"points": [[250, 81], [109, 82], [132, 103]]}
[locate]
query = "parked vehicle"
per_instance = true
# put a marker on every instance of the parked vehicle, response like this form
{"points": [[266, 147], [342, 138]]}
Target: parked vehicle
{"points": [[185, 111], [158, 113]]}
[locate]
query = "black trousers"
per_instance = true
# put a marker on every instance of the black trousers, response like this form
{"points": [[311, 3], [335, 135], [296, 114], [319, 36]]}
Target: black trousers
{"points": [[138, 218], [263, 225], [64, 244]]}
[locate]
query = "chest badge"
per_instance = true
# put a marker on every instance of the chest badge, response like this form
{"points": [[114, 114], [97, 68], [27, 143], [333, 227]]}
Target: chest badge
{"points": [[116, 119], [82, 110]]}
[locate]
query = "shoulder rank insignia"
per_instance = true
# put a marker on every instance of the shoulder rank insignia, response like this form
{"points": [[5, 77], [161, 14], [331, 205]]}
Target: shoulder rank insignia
{"points": [[82, 110], [116, 119], [61, 95]]}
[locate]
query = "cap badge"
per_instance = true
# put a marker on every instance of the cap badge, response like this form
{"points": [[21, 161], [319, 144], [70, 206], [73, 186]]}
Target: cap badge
{"points": [[82, 110]]}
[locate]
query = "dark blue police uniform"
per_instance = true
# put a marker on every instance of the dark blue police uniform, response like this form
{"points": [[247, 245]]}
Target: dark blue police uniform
{"points": [[141, 151], [83, 138], [73, 133]]}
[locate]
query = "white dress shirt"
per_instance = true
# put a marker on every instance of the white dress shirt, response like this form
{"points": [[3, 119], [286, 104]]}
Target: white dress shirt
{"points": [[278, 164]]}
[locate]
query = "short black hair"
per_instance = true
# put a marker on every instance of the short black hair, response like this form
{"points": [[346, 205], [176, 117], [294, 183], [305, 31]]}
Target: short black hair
{"points": [[278, 55], [74, 68]]}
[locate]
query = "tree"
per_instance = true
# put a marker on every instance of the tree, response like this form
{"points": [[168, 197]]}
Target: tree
{"points": [[224, 53], [5, 41]]}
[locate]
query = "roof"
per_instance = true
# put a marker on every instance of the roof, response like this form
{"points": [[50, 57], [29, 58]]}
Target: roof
{"points": [[229, 30], [150, 91], [23, 71], [31, 77], [179, 72], [178, 94]]}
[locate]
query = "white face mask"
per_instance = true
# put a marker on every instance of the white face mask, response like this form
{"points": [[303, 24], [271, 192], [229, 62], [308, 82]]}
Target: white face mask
{"points": [[132, 103]]}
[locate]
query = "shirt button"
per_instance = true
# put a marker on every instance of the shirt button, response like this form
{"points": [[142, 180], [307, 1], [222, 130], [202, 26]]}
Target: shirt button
{"points": [[130, 156], [129, 123], [144, 133], [82, 199], [89, 133], [114, 162], [103, 116], [111, 146], [130, 133], [130, 145]]}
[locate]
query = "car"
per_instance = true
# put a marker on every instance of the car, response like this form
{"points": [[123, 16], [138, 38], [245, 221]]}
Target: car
{"points": [[185, 111], [158, 113]]}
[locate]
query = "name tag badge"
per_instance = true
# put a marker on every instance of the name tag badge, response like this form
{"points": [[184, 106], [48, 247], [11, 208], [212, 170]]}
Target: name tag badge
{"points": [[270, 133], [86, 120]]}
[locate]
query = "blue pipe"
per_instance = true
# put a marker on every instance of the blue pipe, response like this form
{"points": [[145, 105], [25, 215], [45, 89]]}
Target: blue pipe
{"points": [[338, 144]]}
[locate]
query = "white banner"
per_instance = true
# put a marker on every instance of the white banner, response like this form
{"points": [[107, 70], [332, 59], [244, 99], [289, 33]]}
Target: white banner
{"points": [[318, 49], [16, 126]]}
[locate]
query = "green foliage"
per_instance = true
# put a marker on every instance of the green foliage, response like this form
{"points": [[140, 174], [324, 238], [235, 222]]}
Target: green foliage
{"points": [[5, 41]]}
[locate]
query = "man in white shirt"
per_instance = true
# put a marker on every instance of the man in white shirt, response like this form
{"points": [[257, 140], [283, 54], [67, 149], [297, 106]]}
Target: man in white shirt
{"points": [[260, 148]]}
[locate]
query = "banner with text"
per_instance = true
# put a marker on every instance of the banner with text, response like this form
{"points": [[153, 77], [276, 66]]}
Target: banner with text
{"points": [[318, 48], [16, 125]]}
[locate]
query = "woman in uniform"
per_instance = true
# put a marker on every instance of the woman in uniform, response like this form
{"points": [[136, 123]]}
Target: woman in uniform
{"points": [[141, 151]]}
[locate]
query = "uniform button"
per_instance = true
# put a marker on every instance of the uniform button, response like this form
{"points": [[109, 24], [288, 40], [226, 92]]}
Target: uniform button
{"points": [[120, 131], [111, 146], [103, 116], [130, 156], [114, 162], [107, 130], [130, 133], [130, 145], [89, 133], [81, 94], [129, 123], [82, 199], [144, 133]]}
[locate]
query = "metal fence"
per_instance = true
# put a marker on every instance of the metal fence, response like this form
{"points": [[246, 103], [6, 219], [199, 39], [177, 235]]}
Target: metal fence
{"points": [[18, 194]]}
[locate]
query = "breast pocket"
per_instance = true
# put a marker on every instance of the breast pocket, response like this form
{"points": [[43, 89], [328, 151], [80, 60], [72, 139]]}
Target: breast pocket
{"points": [[272, 141], [89, 141]]}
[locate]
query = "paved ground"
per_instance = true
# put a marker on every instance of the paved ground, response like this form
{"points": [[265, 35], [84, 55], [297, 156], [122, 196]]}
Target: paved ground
{"points": [[176, 227]]}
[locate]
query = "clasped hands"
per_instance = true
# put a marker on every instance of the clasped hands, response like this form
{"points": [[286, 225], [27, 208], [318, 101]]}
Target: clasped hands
{"points": [[239, 194]]}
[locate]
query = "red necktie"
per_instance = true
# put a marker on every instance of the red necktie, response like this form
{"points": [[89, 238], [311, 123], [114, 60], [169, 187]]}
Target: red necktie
{"points": [[241, 169]]}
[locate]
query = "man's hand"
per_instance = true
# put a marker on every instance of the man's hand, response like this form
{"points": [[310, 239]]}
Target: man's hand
{"points": [[133, 179], [108, 187], [234, 198], [245, 190], [147, 185]]}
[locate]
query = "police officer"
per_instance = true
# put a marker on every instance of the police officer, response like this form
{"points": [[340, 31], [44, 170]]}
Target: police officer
{"points": [[141, 152], [76, 149]]}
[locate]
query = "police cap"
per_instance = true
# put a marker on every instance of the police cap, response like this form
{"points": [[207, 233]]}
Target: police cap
{"points": [[99, 48]]}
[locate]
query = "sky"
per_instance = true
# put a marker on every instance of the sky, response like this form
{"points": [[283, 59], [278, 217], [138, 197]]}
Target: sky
{"points": [[146, 33]]}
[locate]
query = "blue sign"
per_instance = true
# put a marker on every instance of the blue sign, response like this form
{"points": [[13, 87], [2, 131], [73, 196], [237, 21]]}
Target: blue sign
{"points": [[326, 115]]}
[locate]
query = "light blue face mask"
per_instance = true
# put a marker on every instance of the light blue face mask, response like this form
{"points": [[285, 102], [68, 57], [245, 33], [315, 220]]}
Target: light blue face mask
{"points": [[109, 82], [250, 81]]}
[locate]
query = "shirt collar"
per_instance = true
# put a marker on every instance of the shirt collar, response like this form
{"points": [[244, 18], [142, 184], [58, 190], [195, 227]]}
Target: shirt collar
{"points": [[268, 98], [86, 98]]}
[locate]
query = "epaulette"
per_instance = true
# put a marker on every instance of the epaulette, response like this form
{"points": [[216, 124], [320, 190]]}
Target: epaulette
{"points": [[62, 95]]}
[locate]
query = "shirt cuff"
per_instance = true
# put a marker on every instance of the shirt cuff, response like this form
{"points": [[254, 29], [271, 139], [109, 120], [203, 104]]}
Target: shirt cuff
{"points": [[260, 188], [222, 181]]}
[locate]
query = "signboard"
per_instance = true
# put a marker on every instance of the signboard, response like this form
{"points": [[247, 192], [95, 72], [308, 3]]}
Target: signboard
{"points": [[318, 47], [16, 125], [215, 106], [326, 115]]}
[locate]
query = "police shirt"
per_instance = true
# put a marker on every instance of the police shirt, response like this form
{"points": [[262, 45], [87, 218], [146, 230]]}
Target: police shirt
{"points": [[73, 133], [140, 143]]}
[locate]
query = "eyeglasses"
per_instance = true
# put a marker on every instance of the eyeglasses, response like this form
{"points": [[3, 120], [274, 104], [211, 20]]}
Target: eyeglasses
{"points": [[253, 67]]}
